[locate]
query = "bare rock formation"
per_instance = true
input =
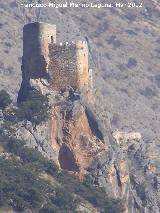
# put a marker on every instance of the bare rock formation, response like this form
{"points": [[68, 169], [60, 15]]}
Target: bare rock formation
{"points": [[77, 142]]}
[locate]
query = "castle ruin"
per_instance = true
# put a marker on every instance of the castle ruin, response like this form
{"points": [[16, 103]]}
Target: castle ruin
{"points": [[62, 70], [62, 65]]}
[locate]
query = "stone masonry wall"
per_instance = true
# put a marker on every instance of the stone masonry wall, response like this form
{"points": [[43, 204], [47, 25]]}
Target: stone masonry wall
{"points": [[68, 65], [62, 66], [36, 38]]}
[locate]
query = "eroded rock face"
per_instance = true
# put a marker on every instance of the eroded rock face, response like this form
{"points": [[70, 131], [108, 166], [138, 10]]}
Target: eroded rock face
{"points": [[73, 138], [129, 171], [73, 133], [126, 136]]}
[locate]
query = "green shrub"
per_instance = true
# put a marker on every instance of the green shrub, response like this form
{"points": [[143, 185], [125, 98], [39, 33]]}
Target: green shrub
{"points": [[10, 115], [19, 203], [95, 195], [113, 206], [50, 208], [35, 198], [50, 167], [5, 99], [141, 192], [33, 157], [3, 138], [15, 146], [20, 186], [35, 108], [63, 199], [27, 154]]}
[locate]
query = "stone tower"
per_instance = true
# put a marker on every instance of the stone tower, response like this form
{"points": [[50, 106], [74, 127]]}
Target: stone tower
{"points": [[82, 63], [61, 64], [36, 38]]}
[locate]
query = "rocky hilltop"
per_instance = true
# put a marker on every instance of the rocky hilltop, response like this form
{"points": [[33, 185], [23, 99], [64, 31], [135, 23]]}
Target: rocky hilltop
{"points": [[114, 139], [62, 71]]}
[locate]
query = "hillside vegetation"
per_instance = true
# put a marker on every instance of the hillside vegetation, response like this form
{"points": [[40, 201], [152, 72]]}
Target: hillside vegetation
{"points": [[30, 181], [22, 185]]}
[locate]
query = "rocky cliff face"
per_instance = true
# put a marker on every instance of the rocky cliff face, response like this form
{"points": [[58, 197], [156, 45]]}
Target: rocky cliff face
{"points": [[74, 137], [72, 132]]}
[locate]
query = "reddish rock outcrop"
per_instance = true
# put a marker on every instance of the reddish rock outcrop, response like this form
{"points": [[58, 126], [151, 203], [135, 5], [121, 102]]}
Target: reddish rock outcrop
{"points": [[74, 140]]}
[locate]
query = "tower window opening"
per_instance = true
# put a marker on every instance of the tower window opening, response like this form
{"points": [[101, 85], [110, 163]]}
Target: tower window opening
{"points": [[51, 39]]}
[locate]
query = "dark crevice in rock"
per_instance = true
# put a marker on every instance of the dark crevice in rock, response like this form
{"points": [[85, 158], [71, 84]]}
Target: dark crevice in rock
{"points": [[118, 177], [38, 143], [67, 160], [67, 110], [94, 125], [155, 183], [23, 92]]}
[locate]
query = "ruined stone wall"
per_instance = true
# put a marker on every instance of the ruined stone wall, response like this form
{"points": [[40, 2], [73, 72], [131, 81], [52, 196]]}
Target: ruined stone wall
{"points": [[68, 65], [62, 66]]}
